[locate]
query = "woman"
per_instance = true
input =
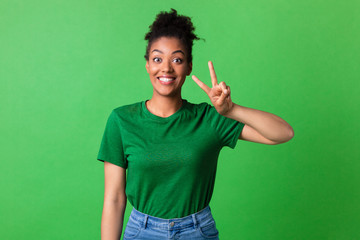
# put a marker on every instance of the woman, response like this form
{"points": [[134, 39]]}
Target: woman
{"points": [[170, 146]]}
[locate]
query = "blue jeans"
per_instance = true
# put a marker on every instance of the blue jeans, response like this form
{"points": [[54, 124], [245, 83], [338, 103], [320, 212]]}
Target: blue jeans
{"points": [[199, 225]]}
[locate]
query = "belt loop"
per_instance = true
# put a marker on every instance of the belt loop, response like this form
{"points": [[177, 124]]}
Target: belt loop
{"points": [[145, 220], [194, 220]]}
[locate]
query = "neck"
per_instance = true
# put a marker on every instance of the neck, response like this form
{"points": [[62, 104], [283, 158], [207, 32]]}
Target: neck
{"points": [[164, 106]]}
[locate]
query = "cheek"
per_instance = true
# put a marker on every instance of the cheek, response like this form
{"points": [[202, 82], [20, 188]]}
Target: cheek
{"points": [[153, 69], [184, 71]]}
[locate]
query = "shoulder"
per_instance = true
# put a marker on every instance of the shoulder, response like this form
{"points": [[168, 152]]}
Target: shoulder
{"points": [[202, 111], [206, 109], [127, 110], [198, 107]]}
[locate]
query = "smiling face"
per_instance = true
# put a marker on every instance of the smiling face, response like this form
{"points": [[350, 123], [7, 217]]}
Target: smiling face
{"points": [[168, 66]]}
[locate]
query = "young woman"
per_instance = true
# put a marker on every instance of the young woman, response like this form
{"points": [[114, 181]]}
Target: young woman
{"points": [[170, 146]]}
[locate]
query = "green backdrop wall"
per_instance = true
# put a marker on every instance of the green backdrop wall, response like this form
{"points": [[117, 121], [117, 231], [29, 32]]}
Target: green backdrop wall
{"points": [[64, 65]]}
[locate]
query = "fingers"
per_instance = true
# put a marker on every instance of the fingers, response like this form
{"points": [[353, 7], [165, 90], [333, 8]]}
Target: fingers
{"points": [[222, 98], [225, 94], [228, 93], [223, 87], [212, 74], [202, 85]]}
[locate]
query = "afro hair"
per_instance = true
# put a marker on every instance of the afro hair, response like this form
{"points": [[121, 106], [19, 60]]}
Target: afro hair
{"points": [[170, 24]]}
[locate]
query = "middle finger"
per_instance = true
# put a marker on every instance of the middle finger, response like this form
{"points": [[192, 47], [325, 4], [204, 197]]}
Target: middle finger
{"points": [[212, 74]]}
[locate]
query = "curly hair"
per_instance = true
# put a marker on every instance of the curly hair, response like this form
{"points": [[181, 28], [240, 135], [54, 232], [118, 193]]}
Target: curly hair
{"points": [[170, 24]]}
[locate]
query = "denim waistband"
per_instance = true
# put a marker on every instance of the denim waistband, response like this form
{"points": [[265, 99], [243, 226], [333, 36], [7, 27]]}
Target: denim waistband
{"points": [[175, 223]]}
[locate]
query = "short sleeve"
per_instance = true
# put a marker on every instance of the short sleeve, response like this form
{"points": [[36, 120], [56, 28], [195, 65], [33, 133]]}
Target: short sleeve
{"points": [[111, 147], [227, 129]]}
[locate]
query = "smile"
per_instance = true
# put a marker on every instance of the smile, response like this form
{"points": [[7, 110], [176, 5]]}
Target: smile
{"points": [[166, 80]]}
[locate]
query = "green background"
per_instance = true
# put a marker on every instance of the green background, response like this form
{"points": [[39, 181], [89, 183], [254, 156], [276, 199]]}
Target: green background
{"points": [[64, 65]]}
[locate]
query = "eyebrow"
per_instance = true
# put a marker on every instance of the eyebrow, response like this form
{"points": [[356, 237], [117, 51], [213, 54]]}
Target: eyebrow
{"points": [[172, 53]]}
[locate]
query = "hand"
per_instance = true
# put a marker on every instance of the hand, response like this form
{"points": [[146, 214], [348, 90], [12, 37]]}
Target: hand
{"points": [[219, 94]]}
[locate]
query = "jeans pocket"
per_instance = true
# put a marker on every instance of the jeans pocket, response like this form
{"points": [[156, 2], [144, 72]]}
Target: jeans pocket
{"points": [[132, 229], [209, 230]]}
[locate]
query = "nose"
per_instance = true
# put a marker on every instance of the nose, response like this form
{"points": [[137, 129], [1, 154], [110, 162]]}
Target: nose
{"points": [[167, 67]]}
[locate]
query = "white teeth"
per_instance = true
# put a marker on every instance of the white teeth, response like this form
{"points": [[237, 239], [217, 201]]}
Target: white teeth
{"points": [[166, 79]]}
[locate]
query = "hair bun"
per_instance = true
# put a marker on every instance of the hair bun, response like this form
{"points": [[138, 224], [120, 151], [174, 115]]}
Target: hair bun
{"points": [[170, 24]]}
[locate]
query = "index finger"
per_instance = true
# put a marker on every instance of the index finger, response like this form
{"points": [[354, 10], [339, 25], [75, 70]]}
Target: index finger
{"points": [[212, 74], [202, 85]]}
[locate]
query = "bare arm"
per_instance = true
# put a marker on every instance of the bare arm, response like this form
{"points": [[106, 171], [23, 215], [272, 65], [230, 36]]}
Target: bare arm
{"points": [[114, 202], [260, 126]]}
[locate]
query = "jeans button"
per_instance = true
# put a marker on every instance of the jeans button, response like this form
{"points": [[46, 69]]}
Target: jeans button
{"points": [[172, 224]]}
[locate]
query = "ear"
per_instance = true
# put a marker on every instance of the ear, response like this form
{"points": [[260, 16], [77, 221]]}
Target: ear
{"points": [[147, 66], [189, 69]]}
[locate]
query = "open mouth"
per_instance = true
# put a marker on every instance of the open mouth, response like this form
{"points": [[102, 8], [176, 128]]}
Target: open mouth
{"points": [[166, 80]]}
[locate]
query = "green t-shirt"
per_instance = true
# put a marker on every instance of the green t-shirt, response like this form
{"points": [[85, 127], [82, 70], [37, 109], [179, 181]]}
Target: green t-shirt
{"points": [[171, 162]]}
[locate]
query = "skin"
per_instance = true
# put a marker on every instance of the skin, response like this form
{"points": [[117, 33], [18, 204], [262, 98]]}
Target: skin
{"points": [[260, 126], [165, 58], [114, 202], [166, 100]]}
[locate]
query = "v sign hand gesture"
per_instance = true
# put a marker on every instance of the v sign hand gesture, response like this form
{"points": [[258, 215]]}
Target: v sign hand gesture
{"points": [[219, 94]]}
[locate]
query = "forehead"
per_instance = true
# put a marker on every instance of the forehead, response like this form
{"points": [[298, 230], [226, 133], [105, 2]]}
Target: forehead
{"points": [[167, 44]]}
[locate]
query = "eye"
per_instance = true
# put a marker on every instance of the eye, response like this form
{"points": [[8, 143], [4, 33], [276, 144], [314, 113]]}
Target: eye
{"points": [[178, 60], [156, 59]]}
